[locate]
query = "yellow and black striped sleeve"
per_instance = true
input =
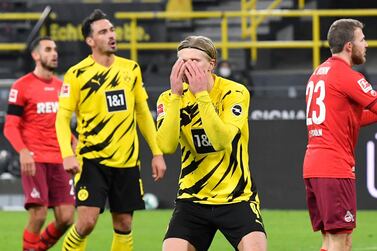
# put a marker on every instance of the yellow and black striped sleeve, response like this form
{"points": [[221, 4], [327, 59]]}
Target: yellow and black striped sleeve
{"points": [[147, 127], [222, 130], [168, 122], [68, 99]]}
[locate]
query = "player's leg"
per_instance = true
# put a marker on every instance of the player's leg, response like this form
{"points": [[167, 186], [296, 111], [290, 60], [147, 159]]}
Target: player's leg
{"points": [[122, 235], [173, 244], [349, 242], [325, 241], [31, 235], [125, 196], [35, 191], [314, 202], [337, 205], [253, 241], [340, 242], [61, 198], [243, 235], [91, 190], [190, 228]]}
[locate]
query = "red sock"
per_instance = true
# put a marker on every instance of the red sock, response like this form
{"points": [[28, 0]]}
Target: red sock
{"points": [[49, 237], [323, 249], [30, 241]]}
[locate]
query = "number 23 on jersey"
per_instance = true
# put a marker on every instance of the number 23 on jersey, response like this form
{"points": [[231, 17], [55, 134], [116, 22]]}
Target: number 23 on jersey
{"points": [[315, 107]]}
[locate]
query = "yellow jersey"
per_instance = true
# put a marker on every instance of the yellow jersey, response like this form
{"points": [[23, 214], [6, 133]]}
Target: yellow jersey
{"points": [[105, 101], [212, 130]]}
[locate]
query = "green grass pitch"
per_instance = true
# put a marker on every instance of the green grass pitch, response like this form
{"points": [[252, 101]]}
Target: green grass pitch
{"points": [[287, 231]]}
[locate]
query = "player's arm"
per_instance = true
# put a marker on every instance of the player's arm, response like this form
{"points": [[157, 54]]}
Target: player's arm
{"points": [[168, 110], [12, 129], [168, 122], [147, 127], [361, 91], [12, 133], [68, 99], [219, 132], [148, 130], [368, 117]]}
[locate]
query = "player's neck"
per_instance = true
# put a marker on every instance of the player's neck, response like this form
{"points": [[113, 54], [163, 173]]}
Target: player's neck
{"points": [[343, 55], [211, 83], [43, 73], [103, 59]]}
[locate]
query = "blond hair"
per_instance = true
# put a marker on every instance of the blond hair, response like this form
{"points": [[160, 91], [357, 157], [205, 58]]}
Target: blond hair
{"points": [[201, 43]]}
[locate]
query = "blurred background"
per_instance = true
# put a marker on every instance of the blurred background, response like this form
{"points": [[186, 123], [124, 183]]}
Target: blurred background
{"points": [[270, 46]]}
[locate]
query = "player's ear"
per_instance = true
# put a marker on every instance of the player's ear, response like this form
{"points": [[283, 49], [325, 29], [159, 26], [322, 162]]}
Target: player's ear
{"points": [[89, 41], [348, 47], [35, 55], [212, 65]]}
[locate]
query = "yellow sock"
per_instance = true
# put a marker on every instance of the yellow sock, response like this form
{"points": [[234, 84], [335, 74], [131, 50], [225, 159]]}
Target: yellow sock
{"points": [[122, 242], [73, 241]]}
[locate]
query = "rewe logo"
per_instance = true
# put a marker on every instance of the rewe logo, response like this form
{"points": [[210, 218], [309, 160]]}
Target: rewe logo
{"points": [[47, 107]]}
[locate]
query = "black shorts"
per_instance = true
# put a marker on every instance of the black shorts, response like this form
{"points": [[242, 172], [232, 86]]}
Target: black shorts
{"points": [[121, 186], [198, 223]]}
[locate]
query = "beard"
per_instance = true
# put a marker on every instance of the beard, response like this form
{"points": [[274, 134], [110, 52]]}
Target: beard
{"points": [[357, 57], [49, 67]]}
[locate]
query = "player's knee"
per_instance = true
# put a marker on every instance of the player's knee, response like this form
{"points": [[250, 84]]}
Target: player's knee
{"points": [[38, 215], [65, 220], [86, 225], [123, 223]]}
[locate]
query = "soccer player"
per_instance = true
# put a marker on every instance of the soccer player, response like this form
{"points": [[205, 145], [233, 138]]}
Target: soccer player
{"points": [[30, 128], [106, 92], [208, 116], [339, 101]]}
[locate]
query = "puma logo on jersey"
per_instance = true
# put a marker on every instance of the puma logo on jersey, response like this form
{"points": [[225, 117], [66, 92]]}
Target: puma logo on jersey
{"points": [[47, 107]]}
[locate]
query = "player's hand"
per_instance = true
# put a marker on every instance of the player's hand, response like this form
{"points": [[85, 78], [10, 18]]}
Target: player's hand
{"points": [[158, 167], [176, 77], [27, 162], [197, 77], [71, 165], [74, 142]]}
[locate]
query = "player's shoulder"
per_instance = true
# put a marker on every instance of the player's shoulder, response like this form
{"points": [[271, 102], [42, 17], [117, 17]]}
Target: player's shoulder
{"points": [[227, 85], [24, 80], [127, 62], [56, 79], [83, 64], [165, 95]]}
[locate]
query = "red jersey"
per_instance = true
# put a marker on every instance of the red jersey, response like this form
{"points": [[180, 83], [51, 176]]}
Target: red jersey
{"points": [[336, 96], [30, 121]]}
